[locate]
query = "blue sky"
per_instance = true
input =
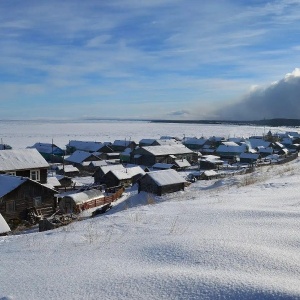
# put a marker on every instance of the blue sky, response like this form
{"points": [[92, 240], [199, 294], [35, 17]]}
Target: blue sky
{"points": [[141, 59]]}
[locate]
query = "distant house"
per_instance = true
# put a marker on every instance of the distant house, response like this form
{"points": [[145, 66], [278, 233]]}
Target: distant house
{"points": [[18, 194], [67, 170], [195, 143], [259, 142], [210, 162], [124, 177], [181, 164], [265, 151], [78, 157], [49, 151], [102, 170], [151, 155], [87, 146], [121, 145], [161, 182], [24, 162], [249, 158], [230, 150], [4, 228], [5, 147], [148, 142]]}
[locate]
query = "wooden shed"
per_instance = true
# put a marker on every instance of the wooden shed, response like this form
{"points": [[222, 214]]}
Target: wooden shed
{"points": [[161, 182]]}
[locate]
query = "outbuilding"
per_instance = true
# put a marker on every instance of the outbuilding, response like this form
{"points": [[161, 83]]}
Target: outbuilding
{"points": [[161, 182]]}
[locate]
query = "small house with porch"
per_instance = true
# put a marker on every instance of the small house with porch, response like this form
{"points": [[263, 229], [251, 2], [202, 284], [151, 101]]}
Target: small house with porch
{"points": [[78, 157]]}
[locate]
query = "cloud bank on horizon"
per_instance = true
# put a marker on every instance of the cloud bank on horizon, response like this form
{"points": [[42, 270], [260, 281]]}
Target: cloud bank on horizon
{"points": [[149, 59], [277, 100]]}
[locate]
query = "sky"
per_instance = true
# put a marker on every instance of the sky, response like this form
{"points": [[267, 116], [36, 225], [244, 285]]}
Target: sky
{"points": [[169, 59]]}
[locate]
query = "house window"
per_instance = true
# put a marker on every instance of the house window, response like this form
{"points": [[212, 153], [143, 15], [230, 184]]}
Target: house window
{"points": [[35, 175], [10, 206], [37, 201], [11, 173]]}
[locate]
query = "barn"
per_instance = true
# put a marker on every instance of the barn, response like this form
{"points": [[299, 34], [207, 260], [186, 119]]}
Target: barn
{"points": [[161, 182]]}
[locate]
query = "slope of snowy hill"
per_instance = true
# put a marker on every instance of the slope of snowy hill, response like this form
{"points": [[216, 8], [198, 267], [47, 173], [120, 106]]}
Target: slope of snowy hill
{"points": [[235, 238]]}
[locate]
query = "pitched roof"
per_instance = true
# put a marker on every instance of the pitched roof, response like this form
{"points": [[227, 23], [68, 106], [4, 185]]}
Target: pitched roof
{"points": [[167, 149], [21, 159], [78, 156], [86, 145], [8, 183], [106, 169], [182, 163], [128, 172], [165, 177], [47, 148]]}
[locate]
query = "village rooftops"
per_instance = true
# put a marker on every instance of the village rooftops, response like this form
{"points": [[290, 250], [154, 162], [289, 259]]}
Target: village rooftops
{"points": [[165, 177], [128, 172], [21, 159]]}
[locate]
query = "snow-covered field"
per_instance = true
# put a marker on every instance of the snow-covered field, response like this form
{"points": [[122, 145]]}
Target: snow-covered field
{"points": [[219, 239]]}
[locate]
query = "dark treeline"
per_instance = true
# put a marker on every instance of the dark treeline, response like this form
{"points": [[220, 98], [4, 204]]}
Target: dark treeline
{"points": [[266, 122]]}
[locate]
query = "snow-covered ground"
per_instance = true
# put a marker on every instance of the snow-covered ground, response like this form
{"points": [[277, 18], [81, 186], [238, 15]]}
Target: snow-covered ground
{"points": [[235, 238]]}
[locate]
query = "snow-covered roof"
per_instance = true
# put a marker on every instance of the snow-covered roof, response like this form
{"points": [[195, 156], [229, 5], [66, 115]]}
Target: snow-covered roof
{"points": [[147, 141], [230, 144], [167, 149], [46, 148], [98, 163], [194, 141], [52, 182], [232, 148], [8, 183], [4, 228], [123, 143], [78, 156], [128, 173], [106, 169], [182, 163], [88, 195], [165, 177], [68, 168], [258, 142], [21, 159], [210, 173], [86, 145]]}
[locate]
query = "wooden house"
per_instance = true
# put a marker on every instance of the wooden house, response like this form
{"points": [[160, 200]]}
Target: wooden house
{"points": [[163, 166], [24, 162], [230, 150], [208, 175], [249, 158], [161, 182], [18, 194], [124, 177], [210, 162], [195, 143], [102, 170], [148, 156], [121, 145]]}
